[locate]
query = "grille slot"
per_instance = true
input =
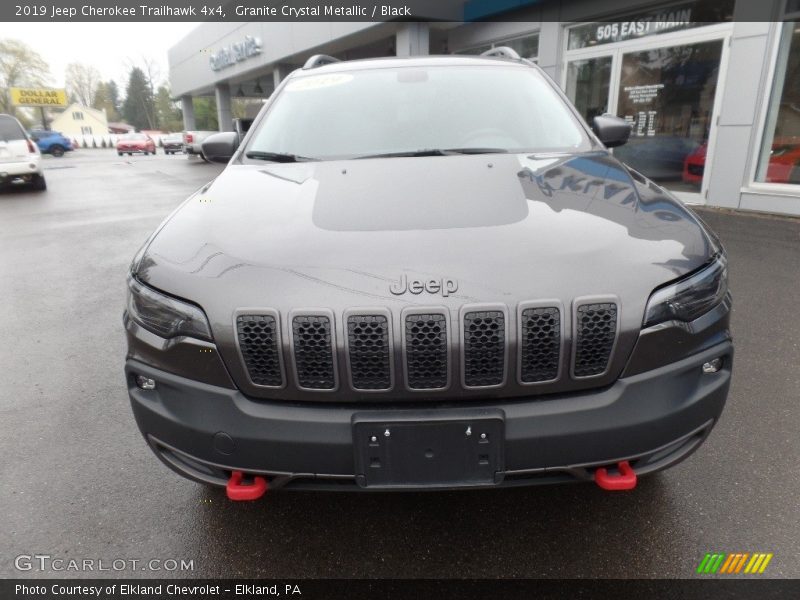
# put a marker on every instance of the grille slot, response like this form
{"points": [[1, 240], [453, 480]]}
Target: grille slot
{"points": [[540, 344], [258, 342], [596, 332], [484, 348], [313, 355], [426, 351], [368, 350]]}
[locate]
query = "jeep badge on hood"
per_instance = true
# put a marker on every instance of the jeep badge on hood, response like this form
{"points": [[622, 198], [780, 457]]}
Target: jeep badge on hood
{"points": [[445, 285]]}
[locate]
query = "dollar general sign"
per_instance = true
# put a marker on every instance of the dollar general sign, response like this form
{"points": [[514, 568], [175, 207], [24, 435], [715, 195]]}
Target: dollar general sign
{"points": [[38, 97]]}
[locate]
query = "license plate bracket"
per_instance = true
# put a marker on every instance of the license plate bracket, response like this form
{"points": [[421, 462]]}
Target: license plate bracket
{"points": [[429, 449]]}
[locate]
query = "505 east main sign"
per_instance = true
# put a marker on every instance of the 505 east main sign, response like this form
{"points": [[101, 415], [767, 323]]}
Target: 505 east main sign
{"points": [[234, 53]]}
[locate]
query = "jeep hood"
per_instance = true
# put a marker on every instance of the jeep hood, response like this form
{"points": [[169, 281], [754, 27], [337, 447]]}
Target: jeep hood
{"points": [[505, 227]]}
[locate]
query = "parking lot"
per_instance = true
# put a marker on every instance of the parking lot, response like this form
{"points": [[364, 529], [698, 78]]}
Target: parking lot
{"points": [[79, 482]]}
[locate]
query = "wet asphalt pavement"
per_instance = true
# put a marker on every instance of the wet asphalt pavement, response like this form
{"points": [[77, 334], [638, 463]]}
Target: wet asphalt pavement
{"points": [[78, 481]]}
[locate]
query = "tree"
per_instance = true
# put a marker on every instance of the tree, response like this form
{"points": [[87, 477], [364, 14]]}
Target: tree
{"points": [[170, 117], [113, 95], [152, 76], [82, 82], [20, 66], [205, 113], [139, 107], [104, 101]]}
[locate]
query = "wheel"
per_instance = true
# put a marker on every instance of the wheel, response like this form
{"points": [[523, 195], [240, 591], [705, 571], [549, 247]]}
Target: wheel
{"points": [[130, 153], [119, 153], [57, 150], [38, 183]]}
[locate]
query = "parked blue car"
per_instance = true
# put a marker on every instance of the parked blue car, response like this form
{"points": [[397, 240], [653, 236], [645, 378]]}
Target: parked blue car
{"points": [[51, 142]]}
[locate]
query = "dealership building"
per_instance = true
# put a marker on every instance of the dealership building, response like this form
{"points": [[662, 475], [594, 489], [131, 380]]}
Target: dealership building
{"points": [[711, 89]]}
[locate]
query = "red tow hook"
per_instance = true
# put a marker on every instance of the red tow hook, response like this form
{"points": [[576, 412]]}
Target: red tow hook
{"points": [[626, 480], [251, 491]]}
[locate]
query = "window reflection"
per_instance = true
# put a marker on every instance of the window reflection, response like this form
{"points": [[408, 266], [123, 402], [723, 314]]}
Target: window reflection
{"points": [[588, 82], [780, 151], [667, 94], [526, 46]]}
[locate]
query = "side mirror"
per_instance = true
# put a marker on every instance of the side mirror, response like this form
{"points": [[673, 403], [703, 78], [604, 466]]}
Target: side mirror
{"points": [[219, 147], [611, 130]]}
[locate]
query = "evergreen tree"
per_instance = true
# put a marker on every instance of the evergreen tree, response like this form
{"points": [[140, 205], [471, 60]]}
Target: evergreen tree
{"points": [[139, 108], [113, 96]]}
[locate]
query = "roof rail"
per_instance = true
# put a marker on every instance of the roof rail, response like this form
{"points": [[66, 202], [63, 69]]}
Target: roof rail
{"points": [[502, 52], [318, 60]]}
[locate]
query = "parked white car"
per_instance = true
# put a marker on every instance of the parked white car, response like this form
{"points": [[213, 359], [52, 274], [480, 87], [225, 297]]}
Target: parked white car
{"points": [[20, 159]]}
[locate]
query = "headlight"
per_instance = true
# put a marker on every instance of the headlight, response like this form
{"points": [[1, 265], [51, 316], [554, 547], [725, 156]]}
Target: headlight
{"points": [[165, 316], [689, 298]]}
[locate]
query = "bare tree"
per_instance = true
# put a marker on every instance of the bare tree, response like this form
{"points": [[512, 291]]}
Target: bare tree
{"points": [[20, 66], [82, 82]]}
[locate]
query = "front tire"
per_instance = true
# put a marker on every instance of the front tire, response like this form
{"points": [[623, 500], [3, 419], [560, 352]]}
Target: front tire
{"points": [[119, 153], [38, 183], [57, 151]]}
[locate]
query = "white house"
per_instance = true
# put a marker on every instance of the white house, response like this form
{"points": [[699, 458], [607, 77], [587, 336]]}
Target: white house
{"points": [[79, 120]]}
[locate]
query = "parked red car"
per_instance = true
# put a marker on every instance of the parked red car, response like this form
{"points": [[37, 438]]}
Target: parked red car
{"points": [[131, 143], [783, 160], [694, 164]]}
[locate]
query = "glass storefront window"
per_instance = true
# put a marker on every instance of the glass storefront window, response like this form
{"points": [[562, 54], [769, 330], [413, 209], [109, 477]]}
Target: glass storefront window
{"points": [[667, 94], [588, 83], [526, 46], [779, 161], [686, 15]]}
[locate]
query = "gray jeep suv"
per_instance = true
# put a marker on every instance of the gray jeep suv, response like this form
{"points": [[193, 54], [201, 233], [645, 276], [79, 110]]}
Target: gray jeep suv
{"points": [[426, 273]]}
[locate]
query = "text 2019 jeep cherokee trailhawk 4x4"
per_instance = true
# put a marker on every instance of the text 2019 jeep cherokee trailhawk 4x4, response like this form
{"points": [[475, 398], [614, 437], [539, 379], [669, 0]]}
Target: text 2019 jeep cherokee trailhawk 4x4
{"points": [[426, 273]]}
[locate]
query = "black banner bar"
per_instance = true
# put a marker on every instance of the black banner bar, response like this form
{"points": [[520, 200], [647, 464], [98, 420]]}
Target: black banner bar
{"points": [[416, 589], [41, 11]]}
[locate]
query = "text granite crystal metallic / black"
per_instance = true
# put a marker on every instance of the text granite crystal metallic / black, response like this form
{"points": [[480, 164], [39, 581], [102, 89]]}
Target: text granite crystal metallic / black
{"points": [[426, 273]]}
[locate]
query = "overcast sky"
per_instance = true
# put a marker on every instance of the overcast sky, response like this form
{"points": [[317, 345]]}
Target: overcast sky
{"points": [[109, 47]]}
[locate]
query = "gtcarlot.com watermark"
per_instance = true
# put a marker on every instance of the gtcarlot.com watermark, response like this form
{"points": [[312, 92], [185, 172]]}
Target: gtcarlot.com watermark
{"points": [[56, 564]]}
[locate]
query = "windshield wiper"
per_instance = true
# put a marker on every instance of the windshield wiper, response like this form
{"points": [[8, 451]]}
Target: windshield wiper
{"points": [[436, 152], [277, 156], [475, 151]]}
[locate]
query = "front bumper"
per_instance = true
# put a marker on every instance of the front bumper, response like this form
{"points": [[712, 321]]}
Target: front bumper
{"points": [[653, 419]]}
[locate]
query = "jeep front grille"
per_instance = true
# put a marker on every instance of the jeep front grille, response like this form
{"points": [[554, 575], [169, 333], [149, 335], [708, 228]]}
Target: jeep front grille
{"points": [[369, 352], [426, 351], [484, 348], [596, 332], [377, 351], [540, 344], [258, 342], [313, 353]]}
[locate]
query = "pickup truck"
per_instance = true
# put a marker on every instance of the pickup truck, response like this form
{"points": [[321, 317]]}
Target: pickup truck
{"points": [[192, 141]]}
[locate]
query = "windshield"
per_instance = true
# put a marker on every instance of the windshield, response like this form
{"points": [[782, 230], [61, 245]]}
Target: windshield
{"points": [[413, 109], [134, 136]]}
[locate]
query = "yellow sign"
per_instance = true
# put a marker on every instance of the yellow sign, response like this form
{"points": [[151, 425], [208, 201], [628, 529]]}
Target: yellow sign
{"points": [[38, 97]]}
